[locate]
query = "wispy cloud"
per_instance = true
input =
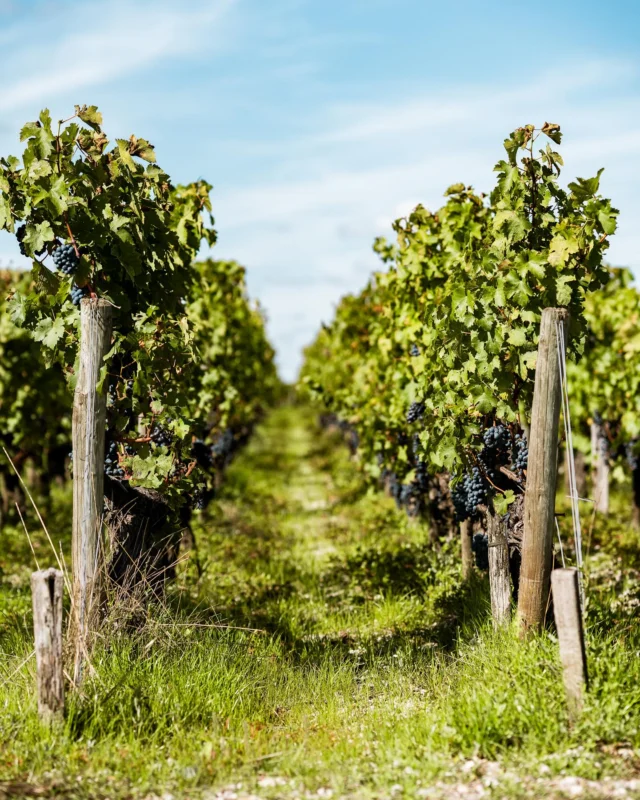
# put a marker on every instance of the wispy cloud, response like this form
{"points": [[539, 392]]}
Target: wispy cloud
{"points": [[365, 166], [470, 103], [312, 148], [127, 38]]}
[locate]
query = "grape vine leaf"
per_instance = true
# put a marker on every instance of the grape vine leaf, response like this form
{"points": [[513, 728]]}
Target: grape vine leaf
{"points": [[49, 331]]}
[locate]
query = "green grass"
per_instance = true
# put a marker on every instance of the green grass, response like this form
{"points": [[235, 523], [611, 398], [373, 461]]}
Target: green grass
{"points": [[325, 645]]}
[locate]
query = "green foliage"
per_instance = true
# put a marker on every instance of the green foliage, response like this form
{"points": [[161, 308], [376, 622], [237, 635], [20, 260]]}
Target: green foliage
{"points": [[454, 322], [169, 369], [606, 381], [35, 401], [237, 378]]}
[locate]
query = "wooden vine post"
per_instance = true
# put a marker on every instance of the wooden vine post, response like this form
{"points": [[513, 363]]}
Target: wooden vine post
{"points": [[499, 575], [465, 547], [46, 596], [88, 433], [542, 469], [568, 617]]}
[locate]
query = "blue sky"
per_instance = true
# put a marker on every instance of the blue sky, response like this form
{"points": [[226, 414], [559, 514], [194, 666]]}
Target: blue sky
{"points": [[319, 121]]}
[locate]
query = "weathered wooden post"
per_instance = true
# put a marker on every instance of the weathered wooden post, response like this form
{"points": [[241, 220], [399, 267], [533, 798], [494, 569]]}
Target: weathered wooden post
{"points": [[465, 548], [600, 454], [542, 468], [499, 575], [46, 596], [635, 485], [568, 616], [89, 417]]}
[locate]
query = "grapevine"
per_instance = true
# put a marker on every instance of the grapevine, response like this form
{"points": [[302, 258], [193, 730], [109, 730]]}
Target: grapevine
{"points": [[189, 358], [450, 330]]}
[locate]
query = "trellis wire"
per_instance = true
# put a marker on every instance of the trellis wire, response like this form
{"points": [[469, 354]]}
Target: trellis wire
{"points": [[570, 461], [560, 543]]}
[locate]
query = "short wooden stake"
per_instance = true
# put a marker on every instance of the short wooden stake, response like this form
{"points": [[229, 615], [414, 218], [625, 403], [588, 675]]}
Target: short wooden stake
{"points": [[568, 616], [499, 575], [88, 431], [465, 548], [635, 484], [600, 454], [539, 499], [46, 595]]}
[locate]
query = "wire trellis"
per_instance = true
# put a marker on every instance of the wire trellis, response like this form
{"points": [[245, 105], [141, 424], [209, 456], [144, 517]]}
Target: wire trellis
{"points": [[570, 460]]}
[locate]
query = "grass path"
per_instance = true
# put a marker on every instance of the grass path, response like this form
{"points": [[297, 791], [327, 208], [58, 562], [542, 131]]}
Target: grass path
{"points": [[323, 649]]}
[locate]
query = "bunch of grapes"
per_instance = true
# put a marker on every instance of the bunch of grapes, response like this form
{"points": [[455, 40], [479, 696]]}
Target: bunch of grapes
{"points": [[415, 412], [65, 259], [112, 466], [20, 232], [202, 453], [200, 498], [422, 476], [480, 548], [520, 454], [178, 469], [497, 443], [161, 437], [416, 446], [469, 493], [459, 499], [77, 293], [632, 455], [414, 351], [409, 493], [223, 444], [410, 498], [496, 437]]}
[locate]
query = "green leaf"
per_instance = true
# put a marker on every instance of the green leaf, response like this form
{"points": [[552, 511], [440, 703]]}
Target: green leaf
{"points": [[18, 309], [37, 235], [510, 224], [40, 133], [552, 130], [150, 472], [38, 169], [45, 120], [560, 249], [30, 129], [49, 331], [90, 116], [142, 149], [517, 336], [608, 221], [501, 502], [6, 218], [124, 154], [46, 282], [58, 195], [564, 291], [585, 188]]}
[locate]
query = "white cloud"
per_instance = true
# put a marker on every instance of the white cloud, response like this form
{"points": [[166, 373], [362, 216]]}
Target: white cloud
{"points": [[329, 176], [373, 165], [102, 41], [469, 103]]}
